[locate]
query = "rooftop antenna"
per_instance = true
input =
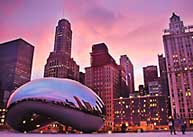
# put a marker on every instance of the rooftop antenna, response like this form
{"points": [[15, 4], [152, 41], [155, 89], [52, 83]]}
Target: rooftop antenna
{"points": [[62, 11]]}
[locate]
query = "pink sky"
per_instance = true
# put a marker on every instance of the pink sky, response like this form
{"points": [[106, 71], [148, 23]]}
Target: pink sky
{"points": [[132, 27]]}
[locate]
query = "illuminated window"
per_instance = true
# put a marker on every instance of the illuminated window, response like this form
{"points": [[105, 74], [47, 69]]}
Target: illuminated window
{"points": [[191, 121], [188, 93], [2, 120], [39, 125], [23, 121], [127, 124]]}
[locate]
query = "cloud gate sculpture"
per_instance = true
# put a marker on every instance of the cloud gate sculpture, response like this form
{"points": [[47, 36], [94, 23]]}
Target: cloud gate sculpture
{"points": [[46, 100]]}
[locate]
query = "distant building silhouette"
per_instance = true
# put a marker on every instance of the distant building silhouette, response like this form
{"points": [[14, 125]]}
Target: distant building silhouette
{"points": [[59, 63], [126, 63], [142, 91], [150, 74], [163, 75], [178, 45], [154, 87], [164, 80], [123, 83], [82, 77]]}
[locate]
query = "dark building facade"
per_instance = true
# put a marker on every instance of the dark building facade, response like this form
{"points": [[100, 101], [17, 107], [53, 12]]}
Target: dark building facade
{"points": [[141, 89], [135, 110], [164, 80], [154, 87], [127, 65], [82, 77], [16, 59], [16, 64], [150, 73], [59, 63], [123, 83], [163, 75]]}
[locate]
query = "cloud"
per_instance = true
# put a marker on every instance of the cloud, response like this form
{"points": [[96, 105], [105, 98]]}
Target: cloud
{"points": [[10, 7], [127, 27]]}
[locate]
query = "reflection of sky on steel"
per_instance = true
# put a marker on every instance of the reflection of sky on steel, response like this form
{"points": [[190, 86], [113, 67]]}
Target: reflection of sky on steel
{"points": [[55, 89]]}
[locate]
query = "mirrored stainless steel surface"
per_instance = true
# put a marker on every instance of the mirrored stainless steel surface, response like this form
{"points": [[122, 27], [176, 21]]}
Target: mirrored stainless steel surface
{"points": [[64, 93]]}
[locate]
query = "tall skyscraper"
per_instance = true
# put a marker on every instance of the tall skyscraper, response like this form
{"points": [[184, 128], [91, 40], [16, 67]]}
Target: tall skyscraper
{"points": [[127, 65], [123, 83], [150, 74], [163, 75], [103, 77], [63, 37], [59, 63], [16, 64], [178, 46], [164, 80]]}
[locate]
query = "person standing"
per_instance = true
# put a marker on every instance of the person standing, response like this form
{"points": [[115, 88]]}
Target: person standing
{"points": [[172, 126], [183, 126]]}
